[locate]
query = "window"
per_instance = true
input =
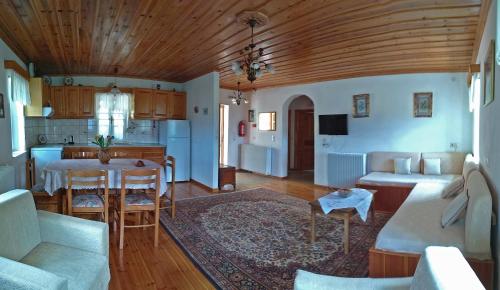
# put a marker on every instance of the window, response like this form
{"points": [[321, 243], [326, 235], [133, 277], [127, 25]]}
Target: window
{"points": [[112, 114], [267, 121], [18, 95]]}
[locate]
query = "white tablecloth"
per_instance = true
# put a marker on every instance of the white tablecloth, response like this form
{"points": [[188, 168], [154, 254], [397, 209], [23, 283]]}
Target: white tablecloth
{"points": [[55, 176], [360, 199]]}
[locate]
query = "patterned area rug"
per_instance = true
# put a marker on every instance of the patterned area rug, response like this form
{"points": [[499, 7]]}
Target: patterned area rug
{"points": [[257, 239]]}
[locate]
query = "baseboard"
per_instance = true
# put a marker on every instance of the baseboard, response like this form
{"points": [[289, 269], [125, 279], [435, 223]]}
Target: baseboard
{"points": [[207, 188]]}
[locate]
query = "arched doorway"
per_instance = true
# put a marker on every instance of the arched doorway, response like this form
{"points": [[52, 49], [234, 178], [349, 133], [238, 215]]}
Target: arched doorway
{"points": [[301, 139]]}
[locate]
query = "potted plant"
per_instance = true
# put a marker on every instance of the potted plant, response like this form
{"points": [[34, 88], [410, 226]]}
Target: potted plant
{"points": [[103, 144]]}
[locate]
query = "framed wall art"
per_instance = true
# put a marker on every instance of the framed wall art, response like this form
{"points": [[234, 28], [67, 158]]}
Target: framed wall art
{"points": [[422, 105], [2, 107], [489, 75], [361, 106], [251, 116]]}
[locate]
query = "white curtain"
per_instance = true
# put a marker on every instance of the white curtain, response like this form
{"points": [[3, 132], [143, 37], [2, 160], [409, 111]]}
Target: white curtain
{"points": [[20, 90], [112, 114]]}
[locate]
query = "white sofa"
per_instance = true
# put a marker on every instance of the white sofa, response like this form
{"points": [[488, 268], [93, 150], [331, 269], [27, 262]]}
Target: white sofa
{"points": [[434, 271]]}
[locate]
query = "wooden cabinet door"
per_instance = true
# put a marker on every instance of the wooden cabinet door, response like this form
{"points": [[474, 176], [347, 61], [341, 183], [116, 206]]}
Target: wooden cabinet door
{"points": [[143, 103], [71, 97], [160, 104], [86, 102], [57, 101], [177, 106]]}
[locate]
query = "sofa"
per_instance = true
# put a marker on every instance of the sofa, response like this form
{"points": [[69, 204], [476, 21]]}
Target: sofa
{"points": [[416, 223], [42, 250], [433, 273]]}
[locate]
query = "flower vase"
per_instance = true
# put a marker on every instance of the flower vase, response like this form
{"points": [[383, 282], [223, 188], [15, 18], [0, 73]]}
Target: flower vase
{"points": [[104, 156]]}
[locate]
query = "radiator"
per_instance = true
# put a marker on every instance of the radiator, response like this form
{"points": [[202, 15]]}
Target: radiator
{"points": [[256, 158], [345, 169], [7, 178]]}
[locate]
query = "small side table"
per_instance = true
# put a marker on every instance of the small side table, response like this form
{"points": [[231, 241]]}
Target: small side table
{"points": [[341, 214], [227, 175]]}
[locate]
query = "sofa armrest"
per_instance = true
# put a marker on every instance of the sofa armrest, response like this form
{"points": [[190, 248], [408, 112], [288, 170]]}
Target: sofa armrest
{"points": [[19, 276], [74, 232]]}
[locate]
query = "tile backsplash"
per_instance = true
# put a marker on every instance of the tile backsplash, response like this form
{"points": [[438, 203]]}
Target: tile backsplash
{"points": [[83, 131]]}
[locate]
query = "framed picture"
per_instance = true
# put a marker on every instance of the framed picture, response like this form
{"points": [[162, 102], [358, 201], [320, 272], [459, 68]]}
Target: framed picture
{"points": [[251, 116], [361, 106], [422, 105], [2, 108], [489, 75]]}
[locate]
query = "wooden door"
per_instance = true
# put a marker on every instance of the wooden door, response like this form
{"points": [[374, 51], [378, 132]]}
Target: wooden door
{"points": [[160, 104], [71, 100], [86, 102], [177, 106], [143, 103], [304, 139], [57, 101]]}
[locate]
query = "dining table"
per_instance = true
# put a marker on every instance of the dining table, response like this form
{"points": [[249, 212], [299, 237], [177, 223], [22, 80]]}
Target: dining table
{"points": [[55, 175]]}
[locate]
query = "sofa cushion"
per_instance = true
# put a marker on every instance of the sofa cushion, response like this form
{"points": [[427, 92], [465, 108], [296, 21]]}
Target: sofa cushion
{"points": [[82, 269], [454, 209], [432, 166], [451, 162], [386, 178], [453, 188], [417, 223], [384, 161], [19, 228], [402, 166]]}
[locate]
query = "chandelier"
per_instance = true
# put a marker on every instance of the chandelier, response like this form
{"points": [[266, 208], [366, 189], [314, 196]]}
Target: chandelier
{"points": [[238, 97], [114, 87], [251, 63]]}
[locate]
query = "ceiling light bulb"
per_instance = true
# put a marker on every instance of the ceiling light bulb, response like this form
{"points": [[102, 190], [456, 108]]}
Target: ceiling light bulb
{"points": [[258, 73], [236, 66], [255, 65], [246, 101], [270, 68]]}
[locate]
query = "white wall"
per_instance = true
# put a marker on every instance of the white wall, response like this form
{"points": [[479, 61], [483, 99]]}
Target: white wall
{"points": [[489, 133], [5, 132], [203, 92], [391, 125], [236, 114]]}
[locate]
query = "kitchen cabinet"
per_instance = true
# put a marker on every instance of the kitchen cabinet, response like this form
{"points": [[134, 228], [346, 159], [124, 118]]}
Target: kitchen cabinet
{"points": [[153, 153], [143, 104], [40, 96], [159, 105], [72, 102]]}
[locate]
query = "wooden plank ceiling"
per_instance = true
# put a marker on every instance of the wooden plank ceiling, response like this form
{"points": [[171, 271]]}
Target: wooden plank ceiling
{"points": [[306, 41]]}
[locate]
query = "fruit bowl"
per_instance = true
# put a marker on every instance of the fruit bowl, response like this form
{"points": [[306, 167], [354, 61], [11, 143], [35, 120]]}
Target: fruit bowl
{"points": [[344, 192]]}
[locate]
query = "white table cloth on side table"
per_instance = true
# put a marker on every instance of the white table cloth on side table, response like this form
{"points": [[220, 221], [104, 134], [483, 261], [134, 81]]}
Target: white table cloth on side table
{"points": [[55, 173]]}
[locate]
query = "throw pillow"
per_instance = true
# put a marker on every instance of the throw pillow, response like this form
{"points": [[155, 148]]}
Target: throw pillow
{"points": [[402, 166], [453, 188], [454, 209], [432, 166]]}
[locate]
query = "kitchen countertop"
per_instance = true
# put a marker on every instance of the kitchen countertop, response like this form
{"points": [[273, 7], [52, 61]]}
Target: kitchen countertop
{"points": [[93, 145]]}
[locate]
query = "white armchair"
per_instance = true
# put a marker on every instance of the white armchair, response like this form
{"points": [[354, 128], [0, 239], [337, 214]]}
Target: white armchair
{"points": [[42, 250], [439, 268]]}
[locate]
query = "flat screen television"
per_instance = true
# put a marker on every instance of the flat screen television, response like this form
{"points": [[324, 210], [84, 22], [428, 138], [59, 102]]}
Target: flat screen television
{"points": [[333, 124]]}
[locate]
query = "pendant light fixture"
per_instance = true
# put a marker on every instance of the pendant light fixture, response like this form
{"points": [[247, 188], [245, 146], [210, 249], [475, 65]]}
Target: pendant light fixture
{"points": [[238, 96]]}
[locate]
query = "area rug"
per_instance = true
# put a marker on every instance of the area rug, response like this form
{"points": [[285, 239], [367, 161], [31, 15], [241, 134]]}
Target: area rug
{"points": [[257, 239]]}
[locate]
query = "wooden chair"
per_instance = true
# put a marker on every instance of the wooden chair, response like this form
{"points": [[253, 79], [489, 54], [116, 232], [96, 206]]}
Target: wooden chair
{"points": [[126, 155], [88, 203], [139, 203], [84, 155], [42, 198], [170, 162]]}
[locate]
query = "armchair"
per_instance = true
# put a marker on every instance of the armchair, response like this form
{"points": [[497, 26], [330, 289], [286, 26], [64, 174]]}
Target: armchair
{"points": [[42, 250]]}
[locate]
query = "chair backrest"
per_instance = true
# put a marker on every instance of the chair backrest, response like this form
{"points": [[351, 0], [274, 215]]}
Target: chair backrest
{"points": [[126, 155], [88, 178], [19, 228], [30, 173], [444, 268], [451, 162], [141, 177], [84, 155], [478, 217]]}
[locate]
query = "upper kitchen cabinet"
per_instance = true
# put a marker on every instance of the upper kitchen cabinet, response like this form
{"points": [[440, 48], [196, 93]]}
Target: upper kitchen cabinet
{"points": [[40, 96], [159, 105], [143, 104], [177, 106], [72, 102]]}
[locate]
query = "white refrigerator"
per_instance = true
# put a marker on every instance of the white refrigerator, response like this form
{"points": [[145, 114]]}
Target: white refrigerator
{"points": [[176, 136]]}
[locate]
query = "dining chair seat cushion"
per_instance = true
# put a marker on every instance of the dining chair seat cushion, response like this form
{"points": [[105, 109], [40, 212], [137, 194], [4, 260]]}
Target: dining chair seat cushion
{"points": [[87, 200], [82, 269], [138, 199]]}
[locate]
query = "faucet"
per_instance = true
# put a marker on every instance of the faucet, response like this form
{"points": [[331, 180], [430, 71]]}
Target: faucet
{"points": [[71, 141]]}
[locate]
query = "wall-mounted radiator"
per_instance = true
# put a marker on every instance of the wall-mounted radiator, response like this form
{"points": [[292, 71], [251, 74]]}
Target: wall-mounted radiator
{"points": [[7, 178], [345, 169], [256, 158]]}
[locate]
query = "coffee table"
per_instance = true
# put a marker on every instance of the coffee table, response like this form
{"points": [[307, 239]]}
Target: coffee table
{"points": [[344, 214]]}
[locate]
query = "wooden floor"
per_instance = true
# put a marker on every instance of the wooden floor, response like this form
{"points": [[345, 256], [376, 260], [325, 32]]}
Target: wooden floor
{"points": [[141, 266]]}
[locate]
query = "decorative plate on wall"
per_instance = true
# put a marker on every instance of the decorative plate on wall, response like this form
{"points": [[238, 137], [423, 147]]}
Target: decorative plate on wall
{"points": [[68, 81]]}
